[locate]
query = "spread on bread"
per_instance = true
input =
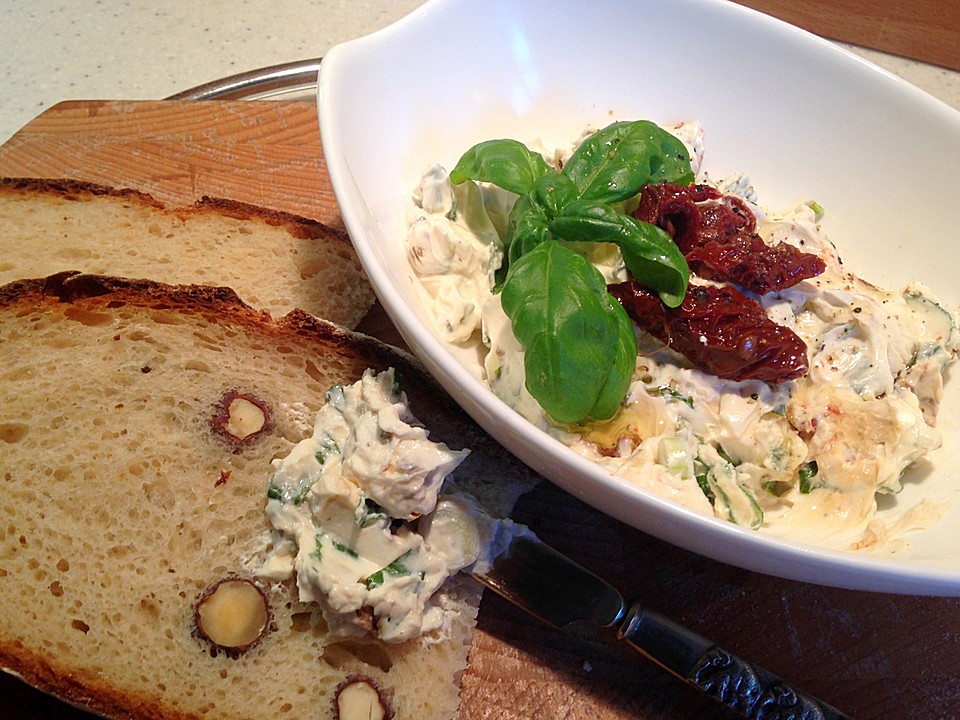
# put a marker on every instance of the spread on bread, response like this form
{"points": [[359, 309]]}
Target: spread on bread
{"points": [[361, 515], [125, 508]]}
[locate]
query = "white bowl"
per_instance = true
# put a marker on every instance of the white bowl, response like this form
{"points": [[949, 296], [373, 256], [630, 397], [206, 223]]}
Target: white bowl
{"points": [[803, 117]]}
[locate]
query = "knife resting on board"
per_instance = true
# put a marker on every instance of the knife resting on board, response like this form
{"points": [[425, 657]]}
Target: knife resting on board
{"points": [[550, 586]]}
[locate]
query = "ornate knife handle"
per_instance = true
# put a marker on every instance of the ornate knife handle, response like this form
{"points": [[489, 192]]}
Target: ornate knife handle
{"points": [[749, 690]]}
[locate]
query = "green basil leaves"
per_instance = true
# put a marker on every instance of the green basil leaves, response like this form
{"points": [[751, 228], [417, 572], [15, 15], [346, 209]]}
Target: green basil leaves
{"points": [[569, 327], [505, 163], [648, 252], [579, 345], [615, 163]]}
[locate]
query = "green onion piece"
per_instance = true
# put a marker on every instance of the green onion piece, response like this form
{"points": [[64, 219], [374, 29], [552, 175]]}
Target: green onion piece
{"points": [[807, 472]]}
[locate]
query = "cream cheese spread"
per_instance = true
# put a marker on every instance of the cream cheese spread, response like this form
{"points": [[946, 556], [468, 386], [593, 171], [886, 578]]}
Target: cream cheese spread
{"points": [[804, 459], [365, 515]]}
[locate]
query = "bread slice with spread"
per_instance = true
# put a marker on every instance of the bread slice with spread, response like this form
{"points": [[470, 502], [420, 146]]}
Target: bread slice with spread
{"points": [[133, 487], [275, 261]]}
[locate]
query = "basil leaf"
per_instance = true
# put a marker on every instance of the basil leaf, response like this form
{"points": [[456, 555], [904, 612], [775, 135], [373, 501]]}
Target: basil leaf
{"points": [[554, 191], [560, 310], [505, 163], [615, 163], [650, 254], [621, 373], [528, 224], [527, 227]]}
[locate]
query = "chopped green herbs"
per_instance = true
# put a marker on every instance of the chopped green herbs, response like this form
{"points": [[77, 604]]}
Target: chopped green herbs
{"points": [[722, 485], [326, 447], [723, 454], [669, 392], [336, 397], [369, 513], [286, 494], [375, 580], [397, 568], [337, 545]]}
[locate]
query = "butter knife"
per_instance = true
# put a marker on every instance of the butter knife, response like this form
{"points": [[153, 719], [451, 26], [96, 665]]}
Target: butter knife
{"points": [[550, 586]]}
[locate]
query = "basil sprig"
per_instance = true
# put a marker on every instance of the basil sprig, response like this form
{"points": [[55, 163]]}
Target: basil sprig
{"points": [[579, 344]]}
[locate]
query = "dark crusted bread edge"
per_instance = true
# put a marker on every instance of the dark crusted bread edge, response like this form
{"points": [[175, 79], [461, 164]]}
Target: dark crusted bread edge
{"points": [[298, 226]]}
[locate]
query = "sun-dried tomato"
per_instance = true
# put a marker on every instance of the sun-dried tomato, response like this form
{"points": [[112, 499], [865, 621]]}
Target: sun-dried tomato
{"points": [[725, 219], [747, 261], [719, 330], [671, 208], [717, 235]]}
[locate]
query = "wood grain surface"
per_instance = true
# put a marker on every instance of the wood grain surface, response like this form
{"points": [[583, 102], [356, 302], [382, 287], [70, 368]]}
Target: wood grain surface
{"points": [[872, 655], [927, 30]]}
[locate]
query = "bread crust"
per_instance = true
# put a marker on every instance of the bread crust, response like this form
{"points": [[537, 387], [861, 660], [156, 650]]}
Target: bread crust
{"points": [[276, 260], [75, 190]]}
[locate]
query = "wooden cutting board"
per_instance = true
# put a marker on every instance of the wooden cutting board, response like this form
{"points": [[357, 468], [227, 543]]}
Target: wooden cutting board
{"points": [[262, 153], [873, 655]]}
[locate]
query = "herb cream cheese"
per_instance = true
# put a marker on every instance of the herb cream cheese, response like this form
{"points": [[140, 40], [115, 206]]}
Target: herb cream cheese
{"points": [[366, 517], [804, 459]]}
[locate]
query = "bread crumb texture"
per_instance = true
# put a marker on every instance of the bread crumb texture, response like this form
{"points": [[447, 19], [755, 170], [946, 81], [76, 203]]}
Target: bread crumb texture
{"points": [[275, 261], [120, 504]]}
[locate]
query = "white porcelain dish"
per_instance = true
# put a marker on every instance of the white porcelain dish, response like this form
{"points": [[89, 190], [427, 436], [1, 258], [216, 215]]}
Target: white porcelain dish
{"points": [[803, 117]]}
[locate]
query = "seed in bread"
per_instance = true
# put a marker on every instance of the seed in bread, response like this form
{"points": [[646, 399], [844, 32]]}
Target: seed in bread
{"points": [[240, 417], [121, 505], [233, 614], [275, 261], [359, 698]]}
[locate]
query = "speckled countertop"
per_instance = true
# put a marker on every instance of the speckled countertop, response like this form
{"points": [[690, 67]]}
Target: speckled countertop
{"points": [[53, 50]]}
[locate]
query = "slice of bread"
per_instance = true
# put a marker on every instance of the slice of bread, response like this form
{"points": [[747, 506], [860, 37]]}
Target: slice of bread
{"points": [[120, 501], [274, 261]]}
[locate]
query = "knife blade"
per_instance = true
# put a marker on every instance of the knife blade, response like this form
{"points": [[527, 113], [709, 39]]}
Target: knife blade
{"points": [[558, 591]]}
